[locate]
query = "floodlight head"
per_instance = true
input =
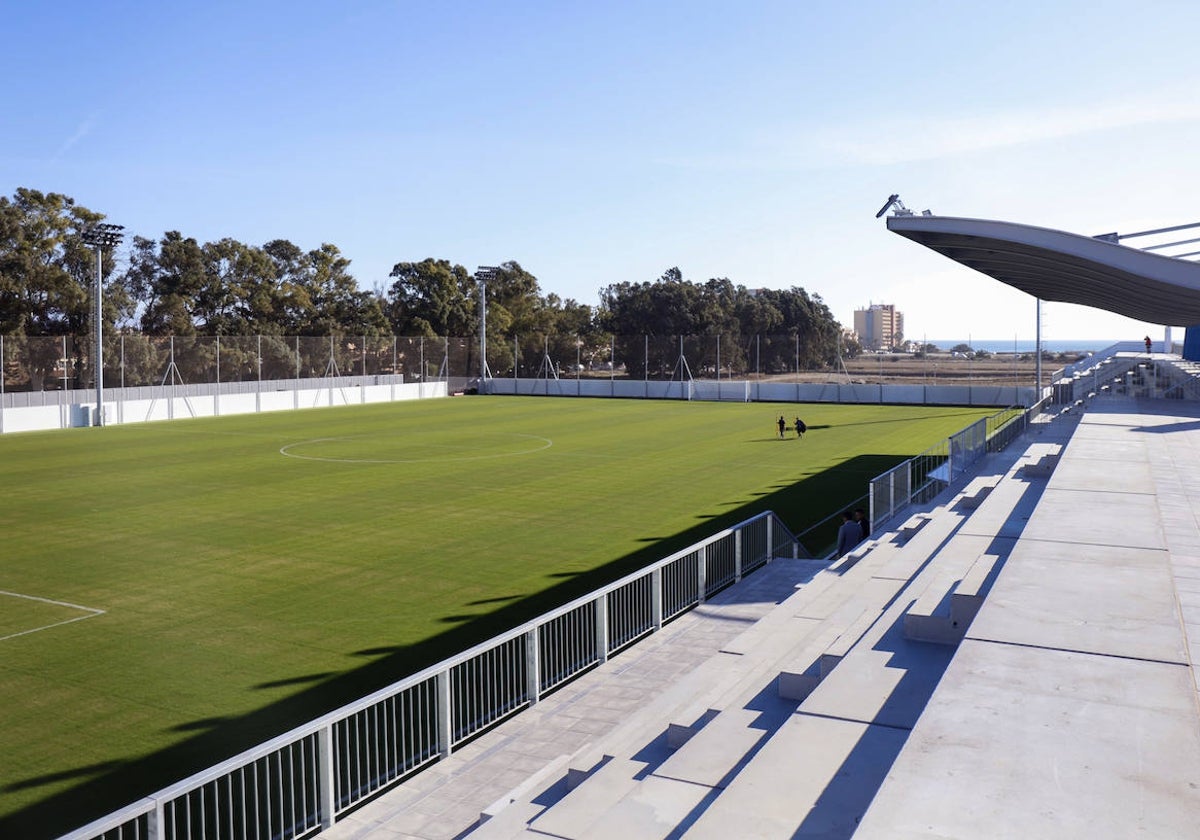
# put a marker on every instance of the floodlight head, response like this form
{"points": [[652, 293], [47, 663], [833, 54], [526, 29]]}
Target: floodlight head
{"points": [[888, 205], [486, 272], [103, 235]]}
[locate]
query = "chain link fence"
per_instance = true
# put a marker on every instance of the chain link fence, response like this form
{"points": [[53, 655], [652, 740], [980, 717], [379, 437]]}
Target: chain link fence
{"points": [[50, 363]]}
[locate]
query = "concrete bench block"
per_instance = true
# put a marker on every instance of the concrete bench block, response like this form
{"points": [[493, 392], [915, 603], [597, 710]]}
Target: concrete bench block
{"points": [[1042, 468], [943, 614], [679, 734], [801, 675], [583, 764], [912, 525], [968, 596], [552, 768], [508, 824], [975, 499], [928, 619]]}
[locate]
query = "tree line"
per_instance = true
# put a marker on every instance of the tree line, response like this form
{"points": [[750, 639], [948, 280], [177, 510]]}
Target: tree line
{"points": [[176, 285]]}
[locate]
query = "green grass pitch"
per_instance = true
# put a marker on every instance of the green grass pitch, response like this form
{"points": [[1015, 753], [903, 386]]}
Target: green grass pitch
{"points": [[174, 593]]}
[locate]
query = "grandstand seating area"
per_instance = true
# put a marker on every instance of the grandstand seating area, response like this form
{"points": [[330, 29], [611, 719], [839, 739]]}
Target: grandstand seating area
{"points": [[1012, 660]]}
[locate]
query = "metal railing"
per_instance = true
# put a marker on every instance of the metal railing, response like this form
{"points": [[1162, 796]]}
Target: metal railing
{"points": [[302, 781], [924, 476]]}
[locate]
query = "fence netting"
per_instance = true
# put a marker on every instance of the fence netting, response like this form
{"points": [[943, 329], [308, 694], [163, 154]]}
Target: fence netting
{"points": [[46, 363]]}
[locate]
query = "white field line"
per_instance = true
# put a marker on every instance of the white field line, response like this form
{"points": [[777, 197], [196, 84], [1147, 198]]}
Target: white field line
{"points": [[286, 451], [92, 612]]}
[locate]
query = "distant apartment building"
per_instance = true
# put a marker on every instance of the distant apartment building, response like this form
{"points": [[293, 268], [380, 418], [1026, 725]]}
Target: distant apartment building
{"points": [[880, 326]]}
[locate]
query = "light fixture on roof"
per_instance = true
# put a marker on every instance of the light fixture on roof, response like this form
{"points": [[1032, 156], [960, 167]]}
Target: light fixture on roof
{"points": [[897, 207]]}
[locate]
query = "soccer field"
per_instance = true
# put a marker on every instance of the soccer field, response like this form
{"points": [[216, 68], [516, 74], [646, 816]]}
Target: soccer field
{"points": [[173, 593]]}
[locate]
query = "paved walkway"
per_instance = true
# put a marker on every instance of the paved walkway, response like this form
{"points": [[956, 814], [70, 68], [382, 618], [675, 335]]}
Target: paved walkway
{"points": [[445, 800]]}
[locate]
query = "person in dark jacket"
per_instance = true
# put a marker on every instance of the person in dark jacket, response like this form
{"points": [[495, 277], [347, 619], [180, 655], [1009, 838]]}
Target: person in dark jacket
{"points": [[860, 516], [849, 535]]}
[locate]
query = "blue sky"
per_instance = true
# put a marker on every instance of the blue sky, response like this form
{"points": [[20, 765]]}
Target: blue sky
{"points": [[601, 142]]}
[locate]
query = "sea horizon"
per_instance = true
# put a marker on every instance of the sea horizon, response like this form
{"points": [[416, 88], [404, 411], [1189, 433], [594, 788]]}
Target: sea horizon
{"points": [[1010, 345]]}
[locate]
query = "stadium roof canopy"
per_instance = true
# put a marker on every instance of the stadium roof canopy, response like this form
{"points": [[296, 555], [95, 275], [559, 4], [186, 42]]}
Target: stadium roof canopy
{"points": [[1066, 267]]}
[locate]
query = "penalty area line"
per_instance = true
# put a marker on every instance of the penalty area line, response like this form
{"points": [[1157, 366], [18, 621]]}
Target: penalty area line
{"points": [[92, 612]]}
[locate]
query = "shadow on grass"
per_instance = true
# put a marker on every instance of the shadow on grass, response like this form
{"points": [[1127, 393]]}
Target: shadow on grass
{"points": [[116, 784], [51, 778], [307, 678]]}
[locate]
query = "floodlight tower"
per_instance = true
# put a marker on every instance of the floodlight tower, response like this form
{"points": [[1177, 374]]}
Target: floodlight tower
{"points": [[100, 236], [482, 275]]}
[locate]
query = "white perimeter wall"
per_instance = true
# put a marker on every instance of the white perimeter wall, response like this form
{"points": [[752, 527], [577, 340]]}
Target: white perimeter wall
{"points": [[174, 406], [143, 408], [740, 391]]}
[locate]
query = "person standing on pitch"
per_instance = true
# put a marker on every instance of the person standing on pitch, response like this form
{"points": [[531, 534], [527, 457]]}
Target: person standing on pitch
{"points": [[800, 428], [782, 426], [849, 535]]}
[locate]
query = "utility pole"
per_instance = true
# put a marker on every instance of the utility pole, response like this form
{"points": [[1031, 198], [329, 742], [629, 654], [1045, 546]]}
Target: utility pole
{"points": [[100, 236]]}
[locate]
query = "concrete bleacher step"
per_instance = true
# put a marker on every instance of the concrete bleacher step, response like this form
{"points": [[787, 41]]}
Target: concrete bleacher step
{"points": [[814, 777], [709, 757], [651, 811], [943, 521], [877, 542], [586, 803], [839, 631], [679, 711]]}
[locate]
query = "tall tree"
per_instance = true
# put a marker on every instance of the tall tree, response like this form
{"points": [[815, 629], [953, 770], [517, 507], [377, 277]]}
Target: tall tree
{"points": [[166, 276], [338, 305], [46, 277], [432, 298]]}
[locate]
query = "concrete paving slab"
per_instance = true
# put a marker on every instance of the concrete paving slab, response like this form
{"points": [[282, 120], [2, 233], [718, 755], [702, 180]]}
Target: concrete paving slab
{"points": [[1033, 743], [1098, 517], [1074, 473], [1100, 599], [651, 811], [1108, 448]]}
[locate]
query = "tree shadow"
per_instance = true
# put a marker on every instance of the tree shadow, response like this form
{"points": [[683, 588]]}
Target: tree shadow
{"points": [[108, 786]]}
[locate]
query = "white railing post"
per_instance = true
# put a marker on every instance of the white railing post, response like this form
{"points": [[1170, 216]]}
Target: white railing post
{"points": [[737, 554], [656, 599], [533, 667], [444, 731], [325, 775], [701, 573], [602, 628], [770, 539], [156, 825]]}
